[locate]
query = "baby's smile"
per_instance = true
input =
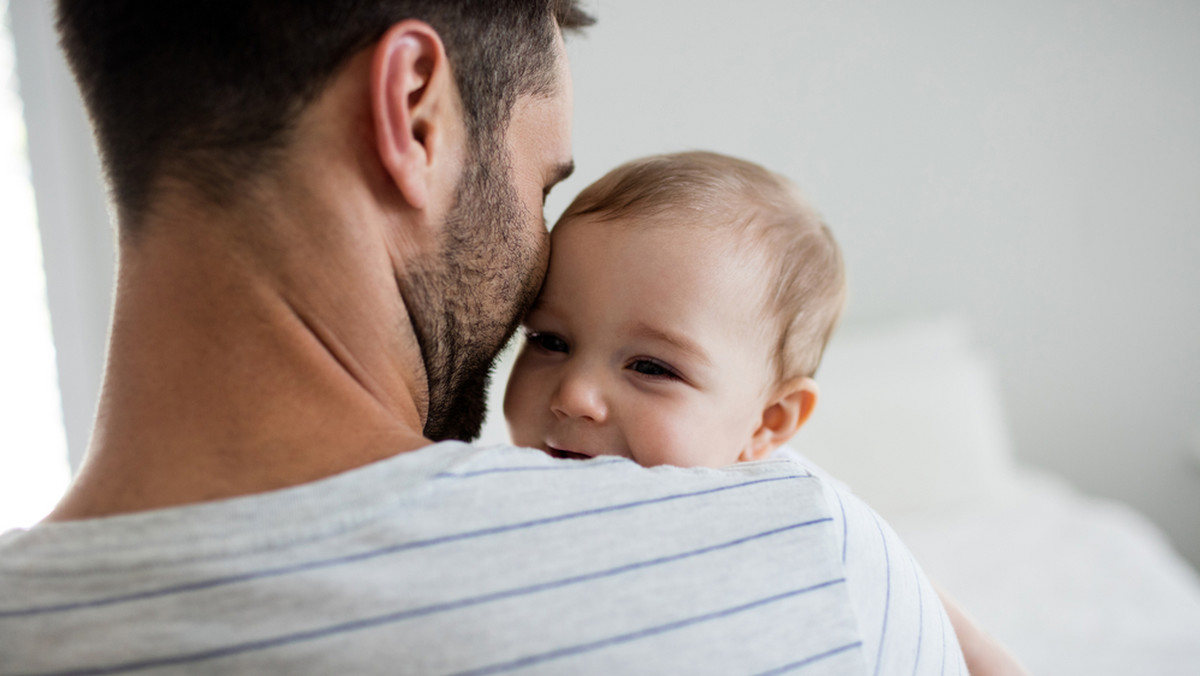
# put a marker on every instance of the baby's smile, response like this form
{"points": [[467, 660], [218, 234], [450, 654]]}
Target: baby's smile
{"points": [[567, 455]]}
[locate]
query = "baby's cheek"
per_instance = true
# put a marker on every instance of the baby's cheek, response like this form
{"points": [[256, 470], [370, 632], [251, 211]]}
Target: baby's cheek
{"points": [[729, 431], [520, 399], [648, 430], [686, 439]]}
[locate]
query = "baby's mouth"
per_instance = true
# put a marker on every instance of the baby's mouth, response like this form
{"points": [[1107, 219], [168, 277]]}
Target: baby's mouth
{"points": [[566, 455]]}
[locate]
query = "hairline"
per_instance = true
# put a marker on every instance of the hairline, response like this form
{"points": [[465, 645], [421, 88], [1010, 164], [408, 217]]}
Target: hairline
{"points": [[748, 235]]}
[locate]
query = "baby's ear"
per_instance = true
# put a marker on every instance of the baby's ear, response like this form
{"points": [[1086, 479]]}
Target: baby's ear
{"points": [[786, 411]]}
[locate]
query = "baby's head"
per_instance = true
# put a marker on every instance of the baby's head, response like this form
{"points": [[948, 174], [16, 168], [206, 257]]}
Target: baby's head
{"points": [[688, 301]]}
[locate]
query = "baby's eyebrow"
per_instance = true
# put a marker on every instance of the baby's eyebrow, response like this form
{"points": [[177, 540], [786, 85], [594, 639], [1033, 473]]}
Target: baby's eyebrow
{"points": [[680, 342]]}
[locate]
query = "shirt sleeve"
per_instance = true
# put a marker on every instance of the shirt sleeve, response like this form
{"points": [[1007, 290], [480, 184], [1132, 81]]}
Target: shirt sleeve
{"points": [[903, 625]]}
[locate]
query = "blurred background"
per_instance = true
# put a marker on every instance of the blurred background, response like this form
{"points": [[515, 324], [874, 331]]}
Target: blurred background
{"points": [[1030, 167]]}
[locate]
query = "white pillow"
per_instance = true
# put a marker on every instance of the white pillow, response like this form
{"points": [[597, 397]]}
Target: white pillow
{"points": [[909, 417]]}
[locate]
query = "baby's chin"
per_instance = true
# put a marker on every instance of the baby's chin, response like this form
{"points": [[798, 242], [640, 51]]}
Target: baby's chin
{"points": [[654, 459], [679, 458]]}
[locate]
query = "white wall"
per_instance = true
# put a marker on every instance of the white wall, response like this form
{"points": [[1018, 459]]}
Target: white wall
{"points": [[1032, 165], [77, 240]]}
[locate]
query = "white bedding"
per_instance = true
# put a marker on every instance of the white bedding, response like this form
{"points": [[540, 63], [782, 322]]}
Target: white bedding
{"points": [[1072, 585], [910, 419]]}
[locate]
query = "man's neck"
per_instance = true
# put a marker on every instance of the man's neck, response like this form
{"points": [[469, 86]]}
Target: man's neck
{"points": [[229, 374]]}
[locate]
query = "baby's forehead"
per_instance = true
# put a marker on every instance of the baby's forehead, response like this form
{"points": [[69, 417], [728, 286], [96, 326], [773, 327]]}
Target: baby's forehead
{"points": [[717, 232], [716, 246]]}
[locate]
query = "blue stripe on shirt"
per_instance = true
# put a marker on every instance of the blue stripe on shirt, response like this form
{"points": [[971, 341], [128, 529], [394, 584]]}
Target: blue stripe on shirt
{"points": [[531, 468], [362, 556], [845, 525], [810, 660], [887, 599], [643, 633], [424, 611], [573, 465]]}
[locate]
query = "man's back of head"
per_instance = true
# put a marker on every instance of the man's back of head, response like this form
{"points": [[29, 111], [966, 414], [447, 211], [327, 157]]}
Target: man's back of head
{"points": [[330, 223], [205, 93]]}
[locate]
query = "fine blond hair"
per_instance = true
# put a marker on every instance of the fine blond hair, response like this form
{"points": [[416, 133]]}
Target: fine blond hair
{"points": [[804, 274]]}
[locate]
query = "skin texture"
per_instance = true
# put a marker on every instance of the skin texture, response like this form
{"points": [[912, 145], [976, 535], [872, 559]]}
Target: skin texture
{"points": [[648, 341], [269, 343], [467, 299], [985, 656]]}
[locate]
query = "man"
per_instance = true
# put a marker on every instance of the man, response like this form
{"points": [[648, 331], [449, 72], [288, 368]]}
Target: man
{"points": [[329, 223]]}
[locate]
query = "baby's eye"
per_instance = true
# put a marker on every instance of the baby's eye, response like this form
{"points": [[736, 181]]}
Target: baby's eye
{"points": [[654, 369], [547, 341]]}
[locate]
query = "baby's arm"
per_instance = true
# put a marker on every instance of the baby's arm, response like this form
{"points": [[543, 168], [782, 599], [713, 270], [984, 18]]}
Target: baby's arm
{"points": [[985, 656]]}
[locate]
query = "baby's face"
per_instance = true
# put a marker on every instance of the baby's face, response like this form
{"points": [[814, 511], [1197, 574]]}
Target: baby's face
{"points": [[647, 342]]}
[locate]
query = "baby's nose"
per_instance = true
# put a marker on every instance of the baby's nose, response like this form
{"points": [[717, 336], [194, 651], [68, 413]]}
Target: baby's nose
{"points": [[580, 395]]}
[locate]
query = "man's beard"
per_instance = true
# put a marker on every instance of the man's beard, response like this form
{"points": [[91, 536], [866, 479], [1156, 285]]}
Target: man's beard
{"points": [[466, 300]]}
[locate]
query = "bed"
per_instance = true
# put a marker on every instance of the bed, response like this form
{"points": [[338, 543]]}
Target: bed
{"points": [[910, 419]]}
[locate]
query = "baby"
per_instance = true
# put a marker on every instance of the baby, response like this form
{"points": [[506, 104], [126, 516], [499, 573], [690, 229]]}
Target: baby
{"points": [[688, 301], [687, 304]]}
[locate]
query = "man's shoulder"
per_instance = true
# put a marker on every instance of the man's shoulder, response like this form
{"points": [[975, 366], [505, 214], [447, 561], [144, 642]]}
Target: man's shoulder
{"points": [[432, 486], [505, 461], [490, 553], [511, 475]]}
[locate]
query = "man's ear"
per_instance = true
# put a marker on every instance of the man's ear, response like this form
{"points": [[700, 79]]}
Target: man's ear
{"points": [[782, 417], [414, 103]]}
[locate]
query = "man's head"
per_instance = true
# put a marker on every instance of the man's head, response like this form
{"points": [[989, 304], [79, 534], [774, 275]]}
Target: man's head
{"points": [[204, 92], [467, 299], [212, 99], [687, 304]]}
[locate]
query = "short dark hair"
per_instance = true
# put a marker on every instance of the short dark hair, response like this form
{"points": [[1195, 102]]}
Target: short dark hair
{"points": [[205, 90]]}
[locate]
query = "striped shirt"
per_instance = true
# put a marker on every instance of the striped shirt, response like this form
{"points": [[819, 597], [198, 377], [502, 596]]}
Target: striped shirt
{"points": [[456, 559]]}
